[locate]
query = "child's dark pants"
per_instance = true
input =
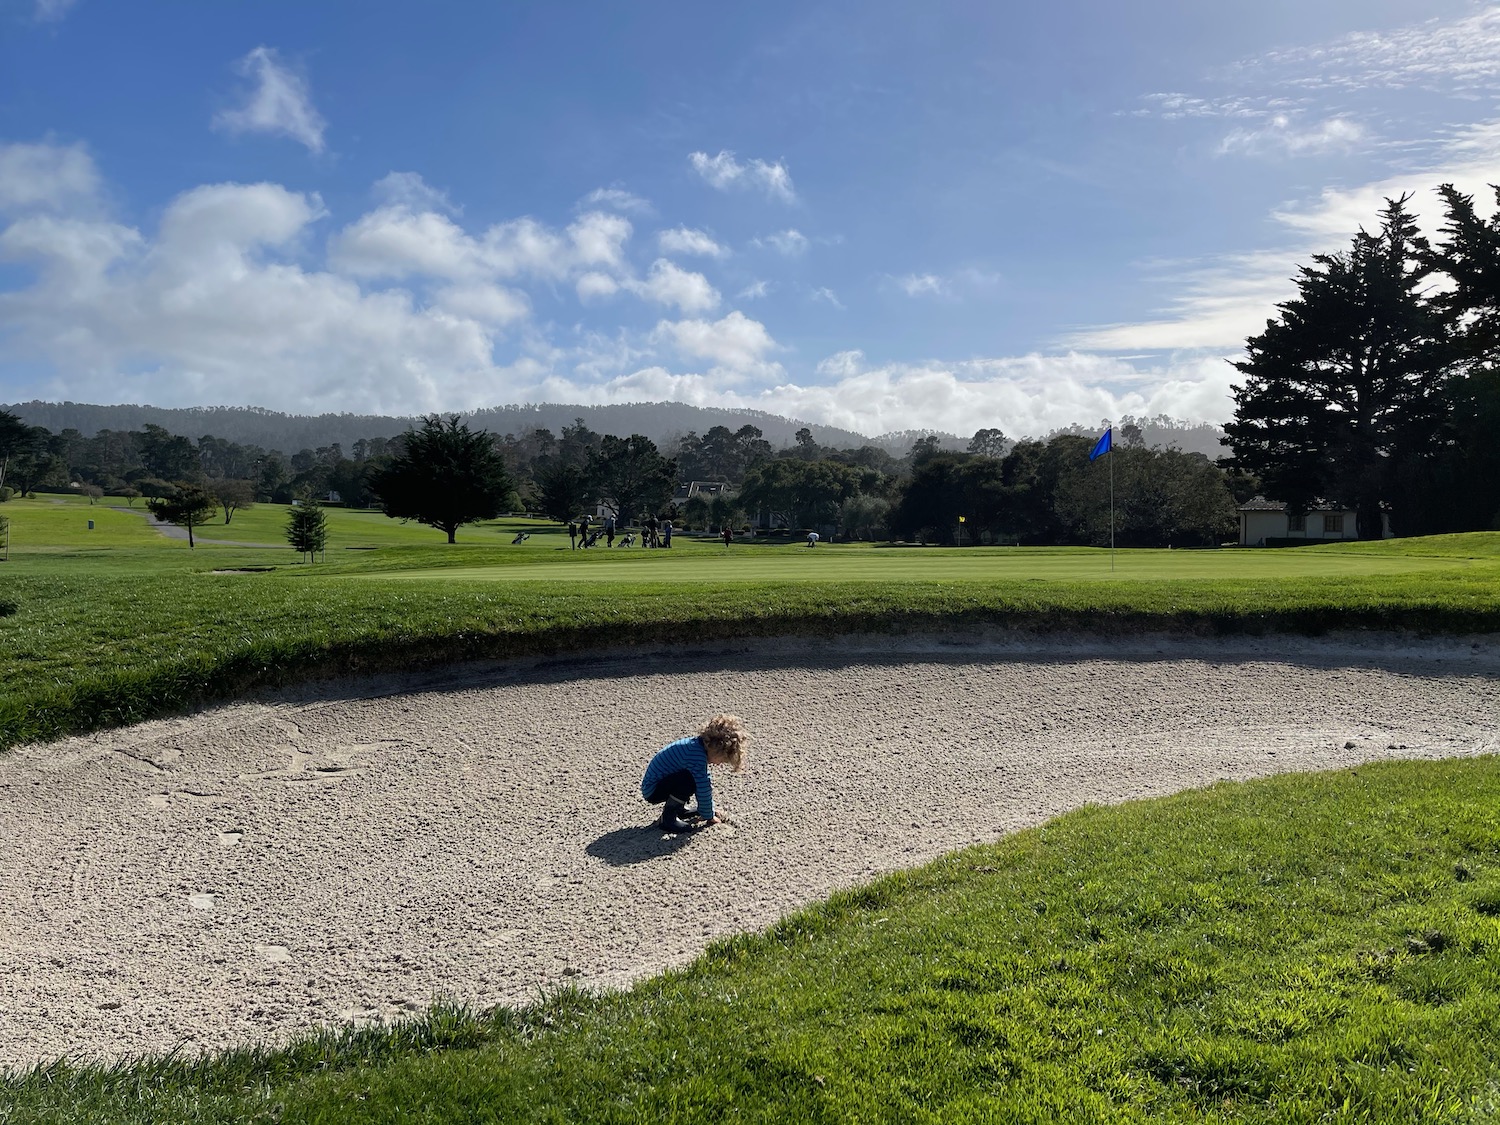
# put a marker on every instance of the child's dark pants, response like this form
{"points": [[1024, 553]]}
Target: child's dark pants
{"points": [[677, 787]]}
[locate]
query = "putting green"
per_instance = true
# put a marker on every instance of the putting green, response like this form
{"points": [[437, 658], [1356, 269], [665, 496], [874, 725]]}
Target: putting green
{"points": [[700, 563]]}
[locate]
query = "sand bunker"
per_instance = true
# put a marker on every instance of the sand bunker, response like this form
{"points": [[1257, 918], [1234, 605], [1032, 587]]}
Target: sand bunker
{"points": [[350, 851]]}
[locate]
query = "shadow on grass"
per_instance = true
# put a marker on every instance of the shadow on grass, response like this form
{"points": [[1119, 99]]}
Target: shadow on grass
{"points": [[623, 847]]}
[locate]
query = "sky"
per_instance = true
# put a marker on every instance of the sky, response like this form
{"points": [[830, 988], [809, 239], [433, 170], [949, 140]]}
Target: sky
{"points": [[873, 214]]}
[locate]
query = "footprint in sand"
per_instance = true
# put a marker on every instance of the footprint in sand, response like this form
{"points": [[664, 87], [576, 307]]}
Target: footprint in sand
{"points": [[332, 763], [164, 800]]}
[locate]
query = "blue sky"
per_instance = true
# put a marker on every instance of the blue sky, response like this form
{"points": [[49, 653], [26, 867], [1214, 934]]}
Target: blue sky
{"points": [[876, 215]]}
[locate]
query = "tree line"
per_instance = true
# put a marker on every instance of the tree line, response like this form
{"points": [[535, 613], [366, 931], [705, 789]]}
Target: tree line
{"points": [[445, 474], [1377, 387], [150, 462]]}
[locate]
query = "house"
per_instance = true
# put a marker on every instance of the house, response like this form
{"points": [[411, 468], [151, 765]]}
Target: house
{"points": [[1268, 523], [709, 490]]}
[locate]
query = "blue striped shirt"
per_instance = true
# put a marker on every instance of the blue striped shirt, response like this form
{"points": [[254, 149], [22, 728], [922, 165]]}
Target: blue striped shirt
{"points": [[684, 754]]}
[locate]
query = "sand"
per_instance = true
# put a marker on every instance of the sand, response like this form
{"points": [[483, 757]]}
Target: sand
{"points": [[349, 851]]}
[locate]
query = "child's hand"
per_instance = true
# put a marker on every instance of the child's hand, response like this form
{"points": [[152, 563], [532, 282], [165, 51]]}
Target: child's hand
{"points": [[715, 819]]}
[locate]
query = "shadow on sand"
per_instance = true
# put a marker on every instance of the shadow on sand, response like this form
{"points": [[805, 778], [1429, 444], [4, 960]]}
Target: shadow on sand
{"points": [[625, 846]]}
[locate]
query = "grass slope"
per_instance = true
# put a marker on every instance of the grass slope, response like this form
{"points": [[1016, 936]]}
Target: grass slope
{"points": [[1306, 948], [102, 635]]}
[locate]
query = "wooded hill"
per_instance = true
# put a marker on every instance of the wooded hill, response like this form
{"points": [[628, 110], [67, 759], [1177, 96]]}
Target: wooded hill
{"points": [[662, 422]]}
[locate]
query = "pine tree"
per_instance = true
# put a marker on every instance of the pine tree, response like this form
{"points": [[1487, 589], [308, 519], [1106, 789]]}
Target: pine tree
{"points": [[307, 528], [1346, 387], [446, 476], [188, 506]]}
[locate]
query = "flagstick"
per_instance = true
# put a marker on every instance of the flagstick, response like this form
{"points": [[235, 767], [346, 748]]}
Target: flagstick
{"points": [[1111, 500]]}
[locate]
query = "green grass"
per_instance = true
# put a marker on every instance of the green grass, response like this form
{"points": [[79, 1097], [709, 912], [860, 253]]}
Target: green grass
{"points": [[703, 562], [1320, 948], [1300, 949], [51, 524], [353, 528], [60, 524], [121, 624]]}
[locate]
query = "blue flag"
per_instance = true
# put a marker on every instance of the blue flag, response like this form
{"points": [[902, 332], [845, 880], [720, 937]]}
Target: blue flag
{"points": [[1103, 445]]}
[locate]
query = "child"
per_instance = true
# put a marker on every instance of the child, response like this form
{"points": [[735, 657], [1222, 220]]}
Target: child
{"points": [[680, 771]]}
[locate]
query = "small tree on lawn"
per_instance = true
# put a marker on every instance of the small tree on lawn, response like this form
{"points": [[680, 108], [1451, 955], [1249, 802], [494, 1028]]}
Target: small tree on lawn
{"points": [[447, 476], [234, 495], [307, 528], [93, 492], [189, 507]]}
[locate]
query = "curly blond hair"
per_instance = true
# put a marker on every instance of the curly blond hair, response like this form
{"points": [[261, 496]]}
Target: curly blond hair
{"points": [[725, 736]]}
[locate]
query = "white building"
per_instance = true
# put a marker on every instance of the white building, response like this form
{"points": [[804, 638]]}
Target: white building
{"points": [[1268, 523]]}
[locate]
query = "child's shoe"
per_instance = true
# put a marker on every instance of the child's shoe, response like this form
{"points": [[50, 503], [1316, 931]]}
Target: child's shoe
{"points": [[675, 818]]}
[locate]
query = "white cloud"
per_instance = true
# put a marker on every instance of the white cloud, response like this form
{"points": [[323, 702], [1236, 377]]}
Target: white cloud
{"points": [[922, 285], [1029, 395], [685, 240], [279, 103], [649, 384], [1450, 56], [394, 241], [735, 345], [398, 242], [594, 285], [724, 172], [409, 190], [951, 286], [828, 296], [223, 302], [668, 284], [45, 175], [1219, 302], [487, 304], [1025, 396], [598, 239], [1454, 57], [617, 199], [755, 290], [1282, 135], [48, 11], [1176, 106], [215, 308], [720, 171], [74, 257], [788, 243], [841, 365]]}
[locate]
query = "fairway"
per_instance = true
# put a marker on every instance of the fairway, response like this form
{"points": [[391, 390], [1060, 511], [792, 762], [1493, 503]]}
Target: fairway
{"points": [[121, 623], [701, 562], [60, 523], [52, 524]]}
